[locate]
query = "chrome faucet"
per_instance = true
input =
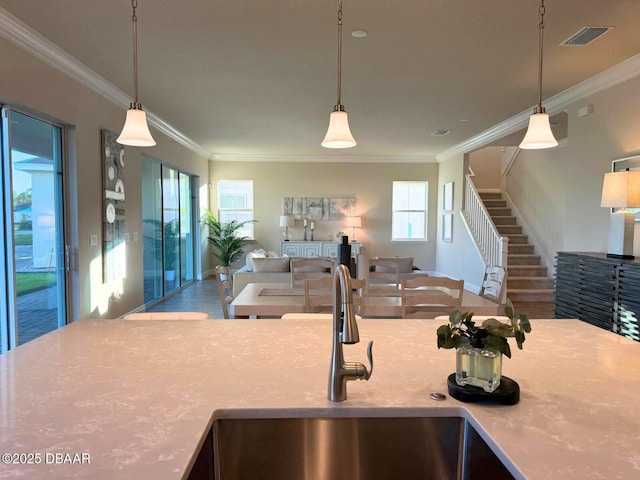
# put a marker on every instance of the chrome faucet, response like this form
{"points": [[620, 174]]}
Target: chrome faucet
{"points": [[345, 330]]}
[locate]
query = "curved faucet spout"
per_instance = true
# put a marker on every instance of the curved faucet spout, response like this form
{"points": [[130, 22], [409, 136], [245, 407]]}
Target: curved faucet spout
{"points": [[345, 330], [344, 317]]}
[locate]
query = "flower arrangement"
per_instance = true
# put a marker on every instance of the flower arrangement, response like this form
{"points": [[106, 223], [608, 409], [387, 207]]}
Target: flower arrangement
{"points": [[492, 333]]}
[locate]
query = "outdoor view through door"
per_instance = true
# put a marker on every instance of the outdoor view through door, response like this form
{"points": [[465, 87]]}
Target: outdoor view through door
{"points": [[167, 226], [34, 274]]}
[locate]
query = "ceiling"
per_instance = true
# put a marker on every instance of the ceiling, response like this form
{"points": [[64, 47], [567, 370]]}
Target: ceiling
{"points": [[257, 78]]}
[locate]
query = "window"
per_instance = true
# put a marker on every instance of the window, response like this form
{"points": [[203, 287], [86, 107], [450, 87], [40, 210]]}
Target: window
{"points": [[409, 220], [235, 202]]}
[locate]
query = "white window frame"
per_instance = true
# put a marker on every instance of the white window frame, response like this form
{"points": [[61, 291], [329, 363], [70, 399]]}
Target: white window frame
{"points": [[247, 230], [424, 211]]}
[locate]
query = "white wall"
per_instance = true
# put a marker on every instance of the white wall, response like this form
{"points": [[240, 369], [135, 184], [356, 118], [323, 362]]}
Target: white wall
{"points": [[29, 82], [370, 183], [459, 258], [486, 165], [558, 191]]}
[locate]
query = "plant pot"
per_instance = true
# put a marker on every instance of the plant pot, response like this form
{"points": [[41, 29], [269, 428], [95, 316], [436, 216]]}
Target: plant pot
{"points": [[478, 367], [170, 275]]}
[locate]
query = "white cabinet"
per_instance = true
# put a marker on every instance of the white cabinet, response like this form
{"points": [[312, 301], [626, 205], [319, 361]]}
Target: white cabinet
{"points": [[315, 249]]}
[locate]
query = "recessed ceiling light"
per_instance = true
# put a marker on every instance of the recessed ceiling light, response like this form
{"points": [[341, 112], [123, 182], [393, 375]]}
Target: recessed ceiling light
{"points": [[440, 133], [359, 33], [464, 120]]}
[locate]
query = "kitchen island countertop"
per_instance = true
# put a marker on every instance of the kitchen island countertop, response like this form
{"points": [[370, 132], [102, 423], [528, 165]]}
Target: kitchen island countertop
{"points": [[134, 399]]}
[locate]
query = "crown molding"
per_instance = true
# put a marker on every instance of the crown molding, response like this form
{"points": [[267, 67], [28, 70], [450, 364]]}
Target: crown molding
{"points": [[611, 77], [31, 41], [35, 44], [320, 158]]}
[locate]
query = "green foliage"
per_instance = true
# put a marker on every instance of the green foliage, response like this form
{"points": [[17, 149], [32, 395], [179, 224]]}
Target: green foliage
{"points": [[24, 224], [171, 240], [32, 282], [23, 239], [22, 198], [462, 330], [228, 246]]}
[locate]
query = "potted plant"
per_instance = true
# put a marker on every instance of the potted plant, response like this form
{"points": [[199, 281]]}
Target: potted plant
{"points": [[224, 237], [169, 242], [171, 247], [479, 349]]}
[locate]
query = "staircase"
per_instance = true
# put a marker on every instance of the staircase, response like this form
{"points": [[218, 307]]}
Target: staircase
{"points": [[528, 281]]}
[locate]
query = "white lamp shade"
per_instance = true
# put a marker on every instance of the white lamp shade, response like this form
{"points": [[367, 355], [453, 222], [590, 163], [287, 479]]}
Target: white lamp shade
{"points": [[539, 133], [621, 190], [135, 131], [338, 134], [286, 221], [355, 222]]}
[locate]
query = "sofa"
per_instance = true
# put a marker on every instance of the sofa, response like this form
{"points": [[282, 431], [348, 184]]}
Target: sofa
{"points": [[372, 274], [262, 267], [268, 267]]}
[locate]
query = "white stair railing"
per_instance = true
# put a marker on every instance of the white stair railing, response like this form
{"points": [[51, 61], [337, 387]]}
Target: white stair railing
{"points": [[492, 246]]}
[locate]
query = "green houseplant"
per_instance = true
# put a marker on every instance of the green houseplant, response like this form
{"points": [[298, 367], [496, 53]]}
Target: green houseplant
{"points": [[479, 348], [224, 237], [170, 244]]}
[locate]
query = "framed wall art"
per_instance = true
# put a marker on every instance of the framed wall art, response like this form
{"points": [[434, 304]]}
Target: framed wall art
{"points": [[447, 227], [113, 231], [627, 163], [447, 197]]}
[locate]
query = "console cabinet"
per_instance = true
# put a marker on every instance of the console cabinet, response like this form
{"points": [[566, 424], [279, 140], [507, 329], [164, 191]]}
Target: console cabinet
{"points": [[315, 249], [599, 290]]}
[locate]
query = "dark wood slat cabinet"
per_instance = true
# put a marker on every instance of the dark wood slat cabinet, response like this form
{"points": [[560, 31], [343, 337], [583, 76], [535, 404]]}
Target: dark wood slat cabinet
{"points": [[599, 290]]}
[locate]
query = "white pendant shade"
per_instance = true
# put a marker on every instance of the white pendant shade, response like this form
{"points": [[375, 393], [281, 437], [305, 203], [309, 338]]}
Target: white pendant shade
{"points": [[539, 133], [135, 131], [338, 134]]}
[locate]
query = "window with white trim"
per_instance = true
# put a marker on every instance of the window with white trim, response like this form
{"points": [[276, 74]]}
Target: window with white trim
{"points": [[409, 217], [235, 202]]}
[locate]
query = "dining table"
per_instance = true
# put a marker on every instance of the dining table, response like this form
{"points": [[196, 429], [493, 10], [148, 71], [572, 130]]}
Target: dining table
{"points": [[277, 299]]}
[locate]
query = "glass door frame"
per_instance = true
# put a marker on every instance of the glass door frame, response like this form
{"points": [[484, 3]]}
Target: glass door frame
{"points": [[9, 334], [194, 223]]}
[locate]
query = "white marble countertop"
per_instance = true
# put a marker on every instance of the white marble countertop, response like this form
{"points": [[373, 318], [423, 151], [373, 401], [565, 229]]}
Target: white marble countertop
{"points": [[137, 397]]}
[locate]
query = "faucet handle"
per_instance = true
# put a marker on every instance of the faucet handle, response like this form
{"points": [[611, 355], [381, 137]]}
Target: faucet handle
{"points": [[370, 356]]}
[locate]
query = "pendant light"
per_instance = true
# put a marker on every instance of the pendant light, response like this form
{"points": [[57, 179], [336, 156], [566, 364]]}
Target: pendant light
{"points": [[539, 133], [135, 131], [338, 134]]}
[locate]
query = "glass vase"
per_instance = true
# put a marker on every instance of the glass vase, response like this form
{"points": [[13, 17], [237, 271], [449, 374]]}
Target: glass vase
{"points": [[479, 367]]}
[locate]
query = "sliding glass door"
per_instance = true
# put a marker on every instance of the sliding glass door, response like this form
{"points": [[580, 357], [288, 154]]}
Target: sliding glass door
{"points": [[168, 224], [33, 273]]}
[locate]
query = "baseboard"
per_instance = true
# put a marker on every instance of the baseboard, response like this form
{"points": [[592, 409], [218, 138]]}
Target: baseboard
{"points": [[467, 286], [207, 274], [141, 308]]}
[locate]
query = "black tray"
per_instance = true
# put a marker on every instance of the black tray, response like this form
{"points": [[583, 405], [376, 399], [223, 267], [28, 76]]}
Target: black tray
{"points": [[507, 393]]}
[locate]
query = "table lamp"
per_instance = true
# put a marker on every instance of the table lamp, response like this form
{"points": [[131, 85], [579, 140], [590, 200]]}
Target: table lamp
{"points": [[354, 222], [286, 221], [621, 190]]}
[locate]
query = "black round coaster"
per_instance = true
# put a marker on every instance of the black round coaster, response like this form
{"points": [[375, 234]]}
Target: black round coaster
{"points": [[507, 393]]}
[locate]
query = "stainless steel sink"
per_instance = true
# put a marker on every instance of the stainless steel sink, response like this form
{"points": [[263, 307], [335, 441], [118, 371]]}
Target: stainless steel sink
{"points": [[352, 448]]}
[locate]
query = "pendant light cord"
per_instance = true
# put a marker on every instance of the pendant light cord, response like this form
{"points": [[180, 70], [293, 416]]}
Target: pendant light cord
{"points": [[134, 20], [540, 108], [339, 106]]}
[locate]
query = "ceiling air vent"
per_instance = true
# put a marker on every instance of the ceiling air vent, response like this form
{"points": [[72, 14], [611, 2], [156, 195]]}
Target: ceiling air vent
{"points": [[440, 133], [585, 36]]}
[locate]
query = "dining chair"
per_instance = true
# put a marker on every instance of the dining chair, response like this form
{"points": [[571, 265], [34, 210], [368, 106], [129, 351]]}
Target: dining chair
{"points": [[166, 316], [494, 284], [359, 287], [384, 276], [428, 297], [311, 268], [225, 289], [318, 295]]}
